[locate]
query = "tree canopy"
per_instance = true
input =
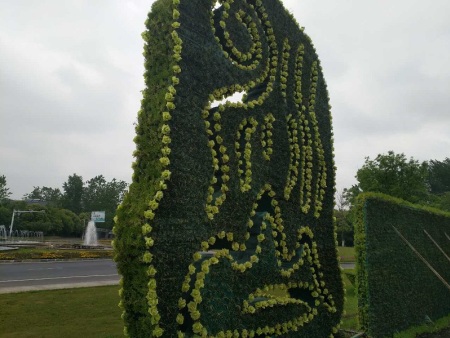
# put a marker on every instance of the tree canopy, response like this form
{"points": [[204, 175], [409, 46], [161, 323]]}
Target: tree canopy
{"points": [[4, 190], [73, 193], [51, 195], [392, 174], [101, 195], [439, 176]]}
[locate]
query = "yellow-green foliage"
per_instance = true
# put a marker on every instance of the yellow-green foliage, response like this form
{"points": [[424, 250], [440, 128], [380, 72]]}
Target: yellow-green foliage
{"points": [[230, 200], [402, 273]]}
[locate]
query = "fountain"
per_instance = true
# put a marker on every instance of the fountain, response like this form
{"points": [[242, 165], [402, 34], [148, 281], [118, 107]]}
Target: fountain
{"points": [[3, 234], [90, 236]]}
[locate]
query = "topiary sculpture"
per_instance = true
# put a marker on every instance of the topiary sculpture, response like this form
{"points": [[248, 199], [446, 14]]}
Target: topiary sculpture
{"points": [[227, 228]]}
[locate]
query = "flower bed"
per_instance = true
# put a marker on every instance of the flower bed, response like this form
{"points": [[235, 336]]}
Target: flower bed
{"points": [[25, 254]]}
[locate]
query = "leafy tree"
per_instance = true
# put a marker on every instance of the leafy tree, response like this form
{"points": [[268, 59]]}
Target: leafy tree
{"points": [[85, 217], [73, 194], [6, 210], [34, 221], [5, 215], [54, 221], [444, 201], [439, 176], [392, 174], [349, 194], [35, 194], [344, 226], [70, 223], [50, 195], [4, 191], [100, 195]]}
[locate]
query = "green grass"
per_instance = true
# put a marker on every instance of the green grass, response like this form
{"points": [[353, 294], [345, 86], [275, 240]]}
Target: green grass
{"points": [[85, 312], [93, 312], [346, 253], [350, 316]]}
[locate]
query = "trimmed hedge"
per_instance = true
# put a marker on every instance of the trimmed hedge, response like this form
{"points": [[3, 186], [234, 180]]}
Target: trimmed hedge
{"points": [[403, 275], [230, 203]]}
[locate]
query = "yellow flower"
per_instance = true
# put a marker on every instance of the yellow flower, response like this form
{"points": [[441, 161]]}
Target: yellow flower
{"points": [[147, 257], [158, 332]]}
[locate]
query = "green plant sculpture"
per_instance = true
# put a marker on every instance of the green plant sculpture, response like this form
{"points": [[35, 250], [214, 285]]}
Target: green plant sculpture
{"points": [[402, 252], [227, 228]]}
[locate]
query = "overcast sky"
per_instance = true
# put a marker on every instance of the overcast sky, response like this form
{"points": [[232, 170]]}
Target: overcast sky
{"points": [[71, 76]]}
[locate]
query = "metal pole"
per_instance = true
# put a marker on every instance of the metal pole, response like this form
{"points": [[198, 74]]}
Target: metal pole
{"points": [[12, 223]]}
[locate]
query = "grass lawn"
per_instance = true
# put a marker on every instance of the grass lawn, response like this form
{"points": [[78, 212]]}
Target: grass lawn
{"points": [[350, 317], [85, 312], [346, 253], [94, 313]]}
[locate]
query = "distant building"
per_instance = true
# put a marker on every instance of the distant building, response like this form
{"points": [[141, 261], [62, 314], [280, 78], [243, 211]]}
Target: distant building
{"points": [[36, 201]]}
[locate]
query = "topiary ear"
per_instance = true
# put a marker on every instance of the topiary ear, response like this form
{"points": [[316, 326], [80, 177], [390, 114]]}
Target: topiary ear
{"points": [[227, 228]]}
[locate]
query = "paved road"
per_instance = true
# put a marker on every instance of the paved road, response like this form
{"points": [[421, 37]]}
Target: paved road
{"points": [[349, 265], [28, 276]]}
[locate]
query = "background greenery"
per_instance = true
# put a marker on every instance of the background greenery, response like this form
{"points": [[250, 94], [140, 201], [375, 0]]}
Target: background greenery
{"points": [[425, 183], [66, 212]]}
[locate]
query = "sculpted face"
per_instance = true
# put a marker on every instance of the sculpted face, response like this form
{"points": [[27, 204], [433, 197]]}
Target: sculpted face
{"points": [[232, 216]]}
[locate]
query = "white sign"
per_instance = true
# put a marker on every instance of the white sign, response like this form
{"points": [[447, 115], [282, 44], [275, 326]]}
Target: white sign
{"points": [[98, 216]]}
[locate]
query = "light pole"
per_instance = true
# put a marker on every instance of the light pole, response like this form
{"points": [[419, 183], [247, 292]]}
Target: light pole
{"points": [[18, 212]]}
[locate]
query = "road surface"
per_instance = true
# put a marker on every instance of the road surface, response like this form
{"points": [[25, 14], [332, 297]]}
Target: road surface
{"points": [[348, 265], [30, 276]]}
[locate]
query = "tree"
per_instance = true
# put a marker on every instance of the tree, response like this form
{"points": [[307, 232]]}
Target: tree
{"points": [[392, 174], [349, 194], [54, 221], [5, 215], [344, 226], [4, 191], [444, 201], [439, 183], [100, 195], [50, 195], [73, 194], [6, 210], [35, 194], [439, 176]]}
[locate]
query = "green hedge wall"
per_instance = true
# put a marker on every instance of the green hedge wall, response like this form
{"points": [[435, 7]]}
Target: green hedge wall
{"points": [[227, 229], [403, 266]]}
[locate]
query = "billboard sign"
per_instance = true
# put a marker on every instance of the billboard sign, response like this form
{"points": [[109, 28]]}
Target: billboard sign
{"points": [[98, 216]]}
